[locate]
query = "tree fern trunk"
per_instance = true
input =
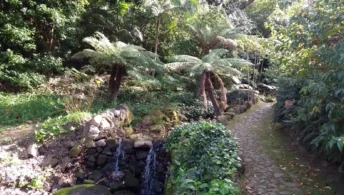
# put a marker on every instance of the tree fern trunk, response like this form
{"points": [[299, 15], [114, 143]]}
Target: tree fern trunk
{"points": [[203, 81], [112, 80], [211, 93], [157, 36], [118, 80], [116, 77], [223, 97]]}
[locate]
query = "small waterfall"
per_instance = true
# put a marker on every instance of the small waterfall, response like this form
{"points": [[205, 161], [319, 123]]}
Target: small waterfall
{"points": [[149, 177], [118, 155]]}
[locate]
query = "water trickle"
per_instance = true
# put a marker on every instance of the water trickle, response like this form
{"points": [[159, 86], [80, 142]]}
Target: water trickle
{"points": [[119, 154], [149, 176]]}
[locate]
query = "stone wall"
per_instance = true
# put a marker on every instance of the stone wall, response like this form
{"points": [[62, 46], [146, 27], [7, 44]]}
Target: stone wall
{"points": [[102, 138]]}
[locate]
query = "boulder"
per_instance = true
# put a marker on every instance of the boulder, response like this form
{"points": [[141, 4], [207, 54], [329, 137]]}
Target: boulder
{"points": [[66, 181], [130, 181], [84, 189], [127, 145], [105, 124], [32, 150], [91, 158], [93, 130], [95, 121], [101, 143], [90, 164], [136, 136], [111, 143], [156, 128], [143, 143], [238, 96], [244, 86], [126, 116], [101, 160], [90, 144], [140, 155], [124, 192], [96, 175], [128, 131], [75, 151]]}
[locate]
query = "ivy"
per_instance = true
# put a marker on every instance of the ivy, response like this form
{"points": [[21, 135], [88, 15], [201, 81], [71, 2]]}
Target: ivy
{"points": [[204, 159]]}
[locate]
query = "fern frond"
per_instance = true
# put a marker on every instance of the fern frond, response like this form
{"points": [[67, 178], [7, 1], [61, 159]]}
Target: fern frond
{"points": [[98, 59], [184, 58], [214, 54]]}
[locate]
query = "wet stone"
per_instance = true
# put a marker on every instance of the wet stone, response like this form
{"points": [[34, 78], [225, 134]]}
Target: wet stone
{"points": [[91, 151], [107, 151], [101, 160], [99, 149], [90, 164], [91, 158]]}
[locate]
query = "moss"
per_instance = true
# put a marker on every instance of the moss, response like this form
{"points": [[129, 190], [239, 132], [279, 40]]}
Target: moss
{"points": [[85, 189]]}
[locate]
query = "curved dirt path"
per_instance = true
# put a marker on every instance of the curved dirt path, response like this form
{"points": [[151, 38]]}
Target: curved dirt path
{"points": [[262, 175], [275, 164]]}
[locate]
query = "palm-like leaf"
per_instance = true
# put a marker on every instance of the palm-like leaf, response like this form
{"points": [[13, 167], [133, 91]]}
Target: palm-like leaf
{"points": [[107, 54], [211, 62]]}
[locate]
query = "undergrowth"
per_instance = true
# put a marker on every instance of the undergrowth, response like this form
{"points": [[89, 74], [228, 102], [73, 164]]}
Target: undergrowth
{"points": [[204, 160]]}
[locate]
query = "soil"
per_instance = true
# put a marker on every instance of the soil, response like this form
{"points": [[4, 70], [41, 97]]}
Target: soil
{"points": [[277, 165]]}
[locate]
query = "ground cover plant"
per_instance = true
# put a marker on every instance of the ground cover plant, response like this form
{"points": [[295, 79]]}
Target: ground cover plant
{"points": [[204, 160]]}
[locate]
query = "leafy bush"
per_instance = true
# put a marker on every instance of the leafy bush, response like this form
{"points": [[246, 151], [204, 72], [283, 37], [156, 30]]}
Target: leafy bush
{"points": [[204, 159], [26, 80], [310, 99], [45, 64]]}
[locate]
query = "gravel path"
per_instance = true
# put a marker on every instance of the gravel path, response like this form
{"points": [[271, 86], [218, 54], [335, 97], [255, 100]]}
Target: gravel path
{"points": [[262, 175]]}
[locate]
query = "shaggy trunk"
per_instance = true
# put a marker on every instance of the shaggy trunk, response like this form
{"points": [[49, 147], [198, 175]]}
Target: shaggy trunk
{"points": [[203, 80], [115, 81], [223, 91], [211, 93]]}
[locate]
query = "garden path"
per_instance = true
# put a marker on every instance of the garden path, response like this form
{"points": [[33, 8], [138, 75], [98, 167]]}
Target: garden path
{"points": [[272, 166]]}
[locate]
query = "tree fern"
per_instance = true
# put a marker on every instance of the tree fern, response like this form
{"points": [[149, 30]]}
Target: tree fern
{"points": [[214, 63], [120, 57]]}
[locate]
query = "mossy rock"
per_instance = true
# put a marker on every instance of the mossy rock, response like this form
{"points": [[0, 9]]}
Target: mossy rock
{"points": [[128, 131], [129, 116], [124, 192], [84, 189], [130, 181], [75, 151], [156, 128]]}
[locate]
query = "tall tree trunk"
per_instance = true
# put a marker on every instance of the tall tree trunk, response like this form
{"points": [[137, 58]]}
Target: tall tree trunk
{"points": [[203, 81], [116, 77], [157, 36], [112, 79], [223, 93], [211, 93]]}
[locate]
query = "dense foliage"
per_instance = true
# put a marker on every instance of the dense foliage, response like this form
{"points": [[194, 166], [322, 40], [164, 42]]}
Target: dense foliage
{"points": [[34, 36], [204, 160], [311, 95]]}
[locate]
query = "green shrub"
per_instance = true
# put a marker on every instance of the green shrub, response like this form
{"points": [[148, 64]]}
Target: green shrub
{"points": [[45, 64], [204, 159], [26, 80]]}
